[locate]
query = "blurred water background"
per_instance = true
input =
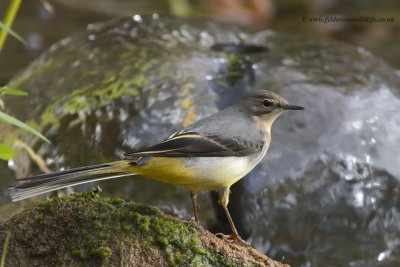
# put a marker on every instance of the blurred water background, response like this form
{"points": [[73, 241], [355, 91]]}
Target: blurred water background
{"points": [[327, 194]]}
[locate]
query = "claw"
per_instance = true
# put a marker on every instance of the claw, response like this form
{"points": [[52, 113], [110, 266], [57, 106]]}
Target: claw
{"points": [[195, 222], [233, 238]]}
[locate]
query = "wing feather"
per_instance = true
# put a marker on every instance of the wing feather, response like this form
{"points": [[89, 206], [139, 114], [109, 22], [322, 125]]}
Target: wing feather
{"points": [[192, 144]]}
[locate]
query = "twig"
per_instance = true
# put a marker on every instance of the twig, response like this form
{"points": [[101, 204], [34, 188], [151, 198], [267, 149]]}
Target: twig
{"points": [[34, 156]]}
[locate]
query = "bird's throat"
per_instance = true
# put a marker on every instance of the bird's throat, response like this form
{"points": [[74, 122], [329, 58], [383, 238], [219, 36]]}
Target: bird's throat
{"points": [[264, 122]]}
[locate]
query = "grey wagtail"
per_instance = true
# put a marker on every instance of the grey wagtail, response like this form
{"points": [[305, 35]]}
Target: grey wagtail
{"points": [[211, 154]]}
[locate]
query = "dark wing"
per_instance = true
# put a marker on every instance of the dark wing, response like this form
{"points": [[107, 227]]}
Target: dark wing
{"points": [[192, 144]]}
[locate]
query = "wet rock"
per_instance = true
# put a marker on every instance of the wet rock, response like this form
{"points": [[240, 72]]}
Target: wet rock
{"points": [[88, 230], [328, 190]]}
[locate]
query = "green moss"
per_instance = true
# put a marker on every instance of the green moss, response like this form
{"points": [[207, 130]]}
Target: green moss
{"points": [[103, 253], [89, 96], [144, 224], [117, 201], [38, 218], [139, 80], [121, 252], [78, 254], [126, 228], [103, 236], [91, 229], [46, 205]]}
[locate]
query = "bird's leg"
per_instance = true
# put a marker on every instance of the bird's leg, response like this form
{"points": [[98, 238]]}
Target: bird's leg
{"points": [[223, 201], [193, 196]]}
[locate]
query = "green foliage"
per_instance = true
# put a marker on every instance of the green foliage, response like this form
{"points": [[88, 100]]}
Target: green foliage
{"points": [[5, 25], [3, 255], [12, 33], [7, 152], [11, 120], [11, 91]]}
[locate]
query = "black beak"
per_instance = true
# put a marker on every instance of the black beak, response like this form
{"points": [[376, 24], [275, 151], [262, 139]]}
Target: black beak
{"points": [[292, 107]]}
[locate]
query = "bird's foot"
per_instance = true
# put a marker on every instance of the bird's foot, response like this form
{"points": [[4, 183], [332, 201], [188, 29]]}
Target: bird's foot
{"points": [[233, 238], [195, 222]]}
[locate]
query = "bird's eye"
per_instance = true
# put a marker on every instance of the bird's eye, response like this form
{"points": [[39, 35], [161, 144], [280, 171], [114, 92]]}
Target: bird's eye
{"points": [[267, 103]]}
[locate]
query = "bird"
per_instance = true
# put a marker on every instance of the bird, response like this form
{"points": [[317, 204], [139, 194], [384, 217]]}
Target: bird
{"points": [[213, 153]]}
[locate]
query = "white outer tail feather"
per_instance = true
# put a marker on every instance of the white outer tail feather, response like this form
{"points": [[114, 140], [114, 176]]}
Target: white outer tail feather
{"points": [[58, 180]]}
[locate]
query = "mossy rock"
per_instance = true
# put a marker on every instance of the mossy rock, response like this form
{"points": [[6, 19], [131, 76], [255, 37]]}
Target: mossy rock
{"points": [[88, 230]]}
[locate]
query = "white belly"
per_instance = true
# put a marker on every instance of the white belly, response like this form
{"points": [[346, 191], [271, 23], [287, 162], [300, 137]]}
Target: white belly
{"points": [[218, 172]]}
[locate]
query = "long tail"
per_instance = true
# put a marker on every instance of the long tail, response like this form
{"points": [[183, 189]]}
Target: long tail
{"points": [[43, 183]]}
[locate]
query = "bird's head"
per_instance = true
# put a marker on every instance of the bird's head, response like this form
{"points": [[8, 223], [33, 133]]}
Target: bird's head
{"points": [[264, 107]]}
